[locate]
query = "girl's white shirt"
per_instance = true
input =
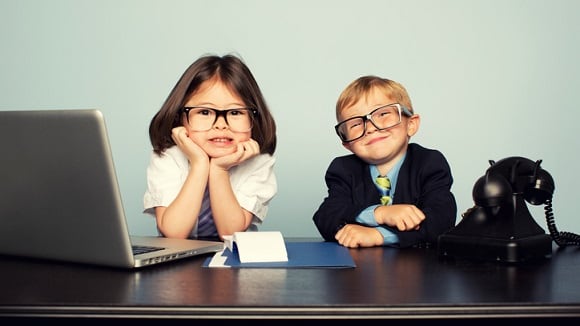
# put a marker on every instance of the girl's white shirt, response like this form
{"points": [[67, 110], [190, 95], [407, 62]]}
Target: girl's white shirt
{"points": [[253, 182]]}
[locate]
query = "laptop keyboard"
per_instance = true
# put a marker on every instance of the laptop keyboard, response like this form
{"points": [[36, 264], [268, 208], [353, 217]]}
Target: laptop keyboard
{"points": [[137, 250]]}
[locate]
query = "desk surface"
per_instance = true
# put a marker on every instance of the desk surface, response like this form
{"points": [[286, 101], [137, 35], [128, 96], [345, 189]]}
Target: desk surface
{"points": [[387, 283]]}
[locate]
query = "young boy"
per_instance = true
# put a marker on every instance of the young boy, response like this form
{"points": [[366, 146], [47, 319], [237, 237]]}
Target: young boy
{"points": [[412, 204]]}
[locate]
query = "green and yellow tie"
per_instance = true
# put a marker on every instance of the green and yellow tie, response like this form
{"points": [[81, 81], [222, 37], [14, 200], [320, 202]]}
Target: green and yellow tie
{"points": [[385, 187]]}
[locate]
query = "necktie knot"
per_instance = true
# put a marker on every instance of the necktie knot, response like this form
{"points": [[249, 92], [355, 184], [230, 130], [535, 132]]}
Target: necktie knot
{"points": [[384, 182]]}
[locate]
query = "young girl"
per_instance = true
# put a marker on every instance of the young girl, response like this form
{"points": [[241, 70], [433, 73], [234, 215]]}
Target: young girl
{"points": [[211, 169]]}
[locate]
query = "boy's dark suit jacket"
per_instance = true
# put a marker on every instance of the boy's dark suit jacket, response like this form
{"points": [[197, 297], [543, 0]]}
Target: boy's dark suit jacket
{"points": [[424, 180]]}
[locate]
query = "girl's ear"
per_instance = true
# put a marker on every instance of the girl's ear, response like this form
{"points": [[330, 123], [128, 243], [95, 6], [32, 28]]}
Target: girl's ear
{"points": [[413, 124]]}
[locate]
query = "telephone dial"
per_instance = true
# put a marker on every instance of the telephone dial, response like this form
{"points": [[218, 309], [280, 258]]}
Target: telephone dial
{"points": [[499, 226]]}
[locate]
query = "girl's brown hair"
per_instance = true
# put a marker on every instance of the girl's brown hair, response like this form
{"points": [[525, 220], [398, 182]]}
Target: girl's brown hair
{"points": [[234, 73]]}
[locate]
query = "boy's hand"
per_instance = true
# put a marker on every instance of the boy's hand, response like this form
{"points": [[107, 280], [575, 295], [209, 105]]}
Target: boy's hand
{"points": [[404, 217], [355, 236], [245, 150]]}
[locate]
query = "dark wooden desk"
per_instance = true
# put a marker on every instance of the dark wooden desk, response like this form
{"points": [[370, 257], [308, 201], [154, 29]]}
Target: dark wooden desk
{"points": [[387, 283]]}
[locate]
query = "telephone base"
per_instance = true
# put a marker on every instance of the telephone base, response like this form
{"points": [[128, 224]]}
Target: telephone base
{"points": [[494, 249]]}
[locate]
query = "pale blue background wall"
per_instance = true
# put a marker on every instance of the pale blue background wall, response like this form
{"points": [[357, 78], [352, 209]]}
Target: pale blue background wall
{"points": [[490, 78]]}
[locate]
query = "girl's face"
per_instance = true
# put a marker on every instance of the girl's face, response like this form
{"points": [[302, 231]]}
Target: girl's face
{"points": [[219, 140], [382, 147]]}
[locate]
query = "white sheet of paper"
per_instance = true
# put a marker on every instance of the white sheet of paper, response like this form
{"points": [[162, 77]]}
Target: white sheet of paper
{"points": [[258, 247]]}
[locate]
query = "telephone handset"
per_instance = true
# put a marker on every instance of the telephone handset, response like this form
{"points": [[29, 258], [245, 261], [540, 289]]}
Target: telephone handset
{"points": [[499, 226]]}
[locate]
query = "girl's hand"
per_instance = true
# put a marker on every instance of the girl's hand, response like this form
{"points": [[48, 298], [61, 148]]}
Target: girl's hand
{"points": [[193, 152], [245, 150]]}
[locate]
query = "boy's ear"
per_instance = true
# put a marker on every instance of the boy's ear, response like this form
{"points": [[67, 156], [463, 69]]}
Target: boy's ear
{"points": [[413, 125], [347, 146]]}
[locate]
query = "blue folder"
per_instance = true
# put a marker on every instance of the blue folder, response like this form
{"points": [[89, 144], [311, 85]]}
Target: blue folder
{"points": [[300, 255]]}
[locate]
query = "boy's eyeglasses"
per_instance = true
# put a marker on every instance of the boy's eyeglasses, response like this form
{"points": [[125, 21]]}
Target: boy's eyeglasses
{"points": [[384, 117], [202, 118]]}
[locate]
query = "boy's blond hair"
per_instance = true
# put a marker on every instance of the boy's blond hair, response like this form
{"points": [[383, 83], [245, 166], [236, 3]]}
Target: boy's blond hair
{"points": [[364, 85]]}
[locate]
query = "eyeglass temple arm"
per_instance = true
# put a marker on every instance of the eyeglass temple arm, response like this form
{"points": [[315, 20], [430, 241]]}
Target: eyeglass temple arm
{"points": [[406, 111]]}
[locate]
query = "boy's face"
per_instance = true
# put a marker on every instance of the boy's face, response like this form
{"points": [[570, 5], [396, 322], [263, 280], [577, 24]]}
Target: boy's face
{"points": [[379, 147]]}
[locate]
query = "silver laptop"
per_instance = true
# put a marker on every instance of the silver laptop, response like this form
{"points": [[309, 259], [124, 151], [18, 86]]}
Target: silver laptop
{"points": [[59, 196]]}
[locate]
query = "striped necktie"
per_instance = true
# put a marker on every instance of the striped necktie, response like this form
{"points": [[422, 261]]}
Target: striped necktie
{"points": [[384, 185], [205, 224]]}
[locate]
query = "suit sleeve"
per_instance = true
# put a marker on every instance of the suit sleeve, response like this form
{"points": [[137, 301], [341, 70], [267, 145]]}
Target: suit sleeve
{"points": [[428, 186], [336, 209]]}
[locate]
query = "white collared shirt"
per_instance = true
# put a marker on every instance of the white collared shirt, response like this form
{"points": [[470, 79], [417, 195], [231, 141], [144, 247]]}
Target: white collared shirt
{"points": [[253, 182]]}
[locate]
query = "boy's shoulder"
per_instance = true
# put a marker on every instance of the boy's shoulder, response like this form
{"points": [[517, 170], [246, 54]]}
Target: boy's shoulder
{"points": [[350, 158], [348, 162], [415, 148], [420, 155]]}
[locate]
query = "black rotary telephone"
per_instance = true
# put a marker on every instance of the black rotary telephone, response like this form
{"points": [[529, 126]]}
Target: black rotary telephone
{"points": [[499, 226]]}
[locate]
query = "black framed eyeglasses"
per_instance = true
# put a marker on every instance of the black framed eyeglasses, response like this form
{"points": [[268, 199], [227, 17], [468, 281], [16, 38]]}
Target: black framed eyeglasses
{"points": [[202, 118], [383, 117]]}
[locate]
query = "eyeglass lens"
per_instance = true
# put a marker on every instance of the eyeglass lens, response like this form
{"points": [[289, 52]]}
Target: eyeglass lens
{"points": [[203, 119], [382, 118]]}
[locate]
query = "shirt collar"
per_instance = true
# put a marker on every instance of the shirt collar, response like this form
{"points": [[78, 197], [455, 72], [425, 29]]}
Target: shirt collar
{"points": [[392, 175]]}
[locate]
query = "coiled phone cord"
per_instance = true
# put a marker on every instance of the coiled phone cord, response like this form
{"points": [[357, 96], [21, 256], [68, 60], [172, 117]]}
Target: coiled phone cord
{"points": [[561, 238]]}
